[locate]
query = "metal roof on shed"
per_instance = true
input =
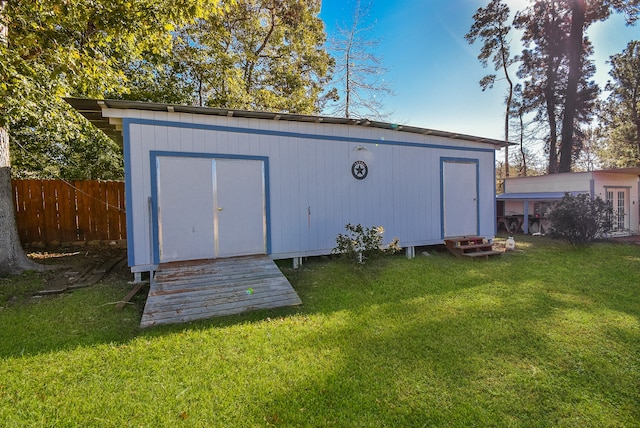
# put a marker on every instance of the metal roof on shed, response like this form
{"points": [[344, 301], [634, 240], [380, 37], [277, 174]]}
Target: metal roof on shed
{"points": [[542, 196], [92, 110]]}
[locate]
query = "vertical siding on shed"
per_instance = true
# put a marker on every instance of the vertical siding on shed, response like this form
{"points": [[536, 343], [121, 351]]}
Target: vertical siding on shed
{"points": [[312, 175]]}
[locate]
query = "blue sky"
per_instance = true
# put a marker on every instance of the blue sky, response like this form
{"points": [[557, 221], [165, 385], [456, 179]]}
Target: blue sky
{"points": [[434, 72]]}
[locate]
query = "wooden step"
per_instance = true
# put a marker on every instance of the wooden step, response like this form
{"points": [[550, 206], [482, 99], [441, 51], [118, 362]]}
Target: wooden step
{"points": [[473, 246], [470, 246], [484, 254]]}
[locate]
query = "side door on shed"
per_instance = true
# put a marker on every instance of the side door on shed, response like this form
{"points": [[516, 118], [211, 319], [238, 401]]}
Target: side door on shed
{"points": [[459, 197]]}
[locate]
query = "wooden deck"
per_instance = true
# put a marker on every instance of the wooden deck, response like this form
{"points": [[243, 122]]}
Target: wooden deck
{"points": [[187, 291]]}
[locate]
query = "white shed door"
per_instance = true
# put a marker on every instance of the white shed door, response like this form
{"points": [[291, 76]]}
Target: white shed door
{"points": [[460, 198], [210, 208], [185, 208], [240, 207]]}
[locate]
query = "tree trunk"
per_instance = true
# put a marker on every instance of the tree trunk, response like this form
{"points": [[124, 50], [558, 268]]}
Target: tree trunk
{"points": [[638, 132], [575, 53], [553, 132], [12, 257], [522, 153], [636, 118], [507, 114]]}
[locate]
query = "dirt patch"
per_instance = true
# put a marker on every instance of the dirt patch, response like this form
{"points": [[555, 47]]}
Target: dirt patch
{"points": [[71, 264], [633, 239]]}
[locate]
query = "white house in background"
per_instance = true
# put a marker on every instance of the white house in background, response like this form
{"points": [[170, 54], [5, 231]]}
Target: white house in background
{"points": [[211, 183], [524, 204]]}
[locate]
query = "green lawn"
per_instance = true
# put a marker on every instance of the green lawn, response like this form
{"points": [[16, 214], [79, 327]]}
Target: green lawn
{"points": [[546, 336]]}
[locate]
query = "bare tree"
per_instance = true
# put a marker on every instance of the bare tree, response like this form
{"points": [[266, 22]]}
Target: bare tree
{"points": [[359, 74]]}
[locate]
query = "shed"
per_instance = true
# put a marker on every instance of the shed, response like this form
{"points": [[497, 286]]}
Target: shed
{"points": [[525, 202], [214, 183]]}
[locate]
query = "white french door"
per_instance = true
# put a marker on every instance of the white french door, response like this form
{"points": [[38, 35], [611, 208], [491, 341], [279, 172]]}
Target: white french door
{"points": [[618, 200]]}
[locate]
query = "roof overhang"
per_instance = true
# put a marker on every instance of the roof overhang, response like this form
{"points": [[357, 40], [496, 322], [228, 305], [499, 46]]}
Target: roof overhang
{"points": [[534, 196], [93, 110], [626, 171]]}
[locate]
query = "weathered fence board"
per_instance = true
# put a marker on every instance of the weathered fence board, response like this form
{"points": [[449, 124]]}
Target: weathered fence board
{"points": [[65, 211]]}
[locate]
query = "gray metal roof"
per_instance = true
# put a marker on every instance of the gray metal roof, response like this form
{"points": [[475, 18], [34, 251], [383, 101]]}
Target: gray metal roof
{"points": [[92, 110], [629, 171], [537, 196]]}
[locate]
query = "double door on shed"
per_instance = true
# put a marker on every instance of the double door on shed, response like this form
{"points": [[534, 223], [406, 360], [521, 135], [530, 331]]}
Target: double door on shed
{"points": [[209, 207]]}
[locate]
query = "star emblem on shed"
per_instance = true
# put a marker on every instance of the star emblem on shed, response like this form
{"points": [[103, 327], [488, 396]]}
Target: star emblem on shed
{"points": [[359, 170]]}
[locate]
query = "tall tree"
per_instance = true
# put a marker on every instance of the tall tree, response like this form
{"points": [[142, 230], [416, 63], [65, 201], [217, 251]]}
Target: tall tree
{"points": [[545, 68], [542, 66], [622, 109], [582, 14], [359, 74], [490, 26], [255, 55], [12, 257], [71, 48]]}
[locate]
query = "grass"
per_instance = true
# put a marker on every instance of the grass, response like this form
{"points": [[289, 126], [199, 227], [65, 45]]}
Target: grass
{"points": [[543, 337]]}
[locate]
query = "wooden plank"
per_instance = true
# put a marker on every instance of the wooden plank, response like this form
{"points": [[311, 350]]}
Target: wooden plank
{"points": [[20, 207], [100, 211], [223, 291], [98, 273], [482, 253], [123, 210], [37, 205], [110, 208], [84, 214], [120, 214], [28, 216], [473, 246], [121, 304], [204, 313], [50, 211], [64, 213], [94, 216], [225, 275], [211, 309], [73, 233]]}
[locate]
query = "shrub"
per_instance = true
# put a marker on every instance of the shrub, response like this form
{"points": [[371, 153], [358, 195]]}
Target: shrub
{"points": [[360, 243], [579, 220]]}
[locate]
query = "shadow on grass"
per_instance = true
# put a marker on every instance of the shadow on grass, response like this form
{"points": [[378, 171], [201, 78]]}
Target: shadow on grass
{"points": [[449, 361], [36, 324]]}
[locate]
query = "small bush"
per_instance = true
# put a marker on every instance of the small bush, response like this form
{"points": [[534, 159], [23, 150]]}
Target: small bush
{"points": [[579, 220], [361, 243]]}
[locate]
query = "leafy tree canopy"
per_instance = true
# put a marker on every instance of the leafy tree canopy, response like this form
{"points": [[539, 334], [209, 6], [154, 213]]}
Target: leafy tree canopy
{"points": [[249, 54], [57, 48], [622, 109], [255, 55]]}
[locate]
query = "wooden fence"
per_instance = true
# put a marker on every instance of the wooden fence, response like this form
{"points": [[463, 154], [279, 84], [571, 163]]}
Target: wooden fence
{"points": [[65, 211]]}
